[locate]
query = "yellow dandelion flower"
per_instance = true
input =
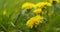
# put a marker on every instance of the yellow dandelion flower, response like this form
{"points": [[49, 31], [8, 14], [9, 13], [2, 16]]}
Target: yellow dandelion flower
{"points": [[43, 4], [37, 11], [28, 5], [34, 21], [4, 12], [54, 1]]}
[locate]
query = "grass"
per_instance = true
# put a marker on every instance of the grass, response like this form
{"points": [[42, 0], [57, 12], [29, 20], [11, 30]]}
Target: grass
{"points": [[13, 22]]}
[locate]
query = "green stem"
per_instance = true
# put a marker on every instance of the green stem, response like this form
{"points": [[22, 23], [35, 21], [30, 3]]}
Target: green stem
{"points": [[17, 18], [3, 28]]}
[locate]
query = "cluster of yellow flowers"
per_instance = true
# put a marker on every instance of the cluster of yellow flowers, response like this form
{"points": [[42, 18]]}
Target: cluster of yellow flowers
{"points": [[37, 7], [34, 21], [29, 5]]}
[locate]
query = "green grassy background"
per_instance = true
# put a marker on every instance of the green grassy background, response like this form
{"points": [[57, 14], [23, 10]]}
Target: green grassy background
{"points": [[7, 21]]}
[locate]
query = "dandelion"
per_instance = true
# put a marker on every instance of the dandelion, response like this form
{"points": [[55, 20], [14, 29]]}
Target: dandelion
{"points": [[28, 5], [54, 1], [37, 11], [42, 4], [34, 21]]}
